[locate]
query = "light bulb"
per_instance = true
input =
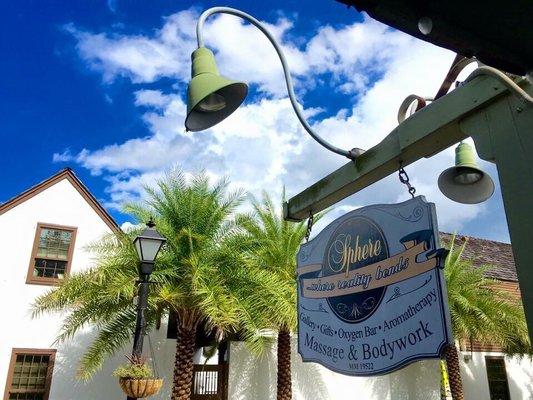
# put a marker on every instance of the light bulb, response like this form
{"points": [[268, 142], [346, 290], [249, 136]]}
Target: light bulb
{"points": [[425, 25], [467, 176], [213, 102]]}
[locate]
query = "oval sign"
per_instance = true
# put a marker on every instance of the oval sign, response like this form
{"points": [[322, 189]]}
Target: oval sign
{"points": [[356, 243]]}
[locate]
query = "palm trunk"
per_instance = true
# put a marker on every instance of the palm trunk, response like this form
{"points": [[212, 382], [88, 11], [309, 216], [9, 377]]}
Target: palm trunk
{"points": [[183, 364], [284, 365], [454, 372]]}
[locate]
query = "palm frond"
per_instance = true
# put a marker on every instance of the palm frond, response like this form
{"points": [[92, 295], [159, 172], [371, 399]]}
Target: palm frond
{"points": [[112, 336], [480, 310]]}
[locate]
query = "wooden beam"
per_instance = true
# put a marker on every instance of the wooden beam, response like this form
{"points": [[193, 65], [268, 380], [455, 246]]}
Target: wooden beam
{"points": [[429, 131]]}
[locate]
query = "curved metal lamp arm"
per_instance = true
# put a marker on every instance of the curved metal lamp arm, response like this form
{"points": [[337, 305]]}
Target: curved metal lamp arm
{"points": [[452, 75], [227, 10], [459, 63], [511, 85], [405, 107]]}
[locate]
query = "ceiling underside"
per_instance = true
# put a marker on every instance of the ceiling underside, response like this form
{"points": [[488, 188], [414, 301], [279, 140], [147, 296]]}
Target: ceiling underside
{"points": [[499, 34]]}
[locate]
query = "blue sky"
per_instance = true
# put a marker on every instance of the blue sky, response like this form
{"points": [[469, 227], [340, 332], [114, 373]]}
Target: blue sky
{"points": [[99, 86]]}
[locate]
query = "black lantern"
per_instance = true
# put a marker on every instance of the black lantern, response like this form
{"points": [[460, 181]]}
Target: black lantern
{"points": [[148, 244]]}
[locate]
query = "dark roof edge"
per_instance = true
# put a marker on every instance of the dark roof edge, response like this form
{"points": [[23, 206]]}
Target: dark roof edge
{"points": [[66, 173]]}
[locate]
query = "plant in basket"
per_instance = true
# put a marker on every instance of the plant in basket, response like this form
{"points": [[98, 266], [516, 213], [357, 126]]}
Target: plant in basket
{"points": [[137, 379]]}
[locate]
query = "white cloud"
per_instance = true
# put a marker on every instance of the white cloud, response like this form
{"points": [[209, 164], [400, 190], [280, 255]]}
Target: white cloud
{"points": [[145, 59], [142, 59], [262, 145], [65, 156], [112, 5], [352, 53], [128, 226], [151, 98]]}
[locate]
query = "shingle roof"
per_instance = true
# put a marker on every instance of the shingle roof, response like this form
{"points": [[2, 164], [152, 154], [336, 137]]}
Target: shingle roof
{"points": [[497, 255]]}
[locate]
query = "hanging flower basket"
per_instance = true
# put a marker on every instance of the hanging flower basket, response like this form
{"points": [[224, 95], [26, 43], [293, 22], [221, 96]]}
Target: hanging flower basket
{"points": [[136, 379], [140, 388]]}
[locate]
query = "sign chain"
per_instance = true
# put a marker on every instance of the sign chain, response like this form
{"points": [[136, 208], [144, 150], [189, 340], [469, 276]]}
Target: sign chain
{"points": [[309, 226], [404, 178]]}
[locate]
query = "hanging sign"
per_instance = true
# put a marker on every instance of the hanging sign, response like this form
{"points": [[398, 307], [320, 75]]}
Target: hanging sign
{"points": [[371, 291]]}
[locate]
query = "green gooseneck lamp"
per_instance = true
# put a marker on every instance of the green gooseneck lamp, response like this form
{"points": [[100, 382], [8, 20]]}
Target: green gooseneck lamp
{"points": [[212, 98], [465, 182]]}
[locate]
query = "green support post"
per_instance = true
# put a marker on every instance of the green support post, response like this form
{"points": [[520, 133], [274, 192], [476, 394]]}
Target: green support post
{"points": [[503, 133]]}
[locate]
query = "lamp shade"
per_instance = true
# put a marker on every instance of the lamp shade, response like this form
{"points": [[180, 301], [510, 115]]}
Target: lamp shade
{"points": [[210, 97], [465, 182], [148, 243]]}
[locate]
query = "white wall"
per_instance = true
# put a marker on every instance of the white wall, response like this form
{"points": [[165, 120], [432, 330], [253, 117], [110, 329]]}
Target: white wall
{"points": [[253, 379], [475, 381], [59, 204], [104, 386]]}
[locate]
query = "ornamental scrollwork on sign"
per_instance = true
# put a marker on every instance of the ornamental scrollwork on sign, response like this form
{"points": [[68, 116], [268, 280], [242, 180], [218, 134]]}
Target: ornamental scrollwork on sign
{"points": [[368, 304], [397, 292], [320, 309], [413, 216]]}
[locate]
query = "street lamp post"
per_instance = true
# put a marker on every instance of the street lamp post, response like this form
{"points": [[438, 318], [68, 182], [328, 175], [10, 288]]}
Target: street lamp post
{"points": [[147, 244]]}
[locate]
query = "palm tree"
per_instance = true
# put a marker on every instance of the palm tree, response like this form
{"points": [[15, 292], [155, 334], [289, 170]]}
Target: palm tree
{"points": [[192, 275], [481, 312], [274, 244]]}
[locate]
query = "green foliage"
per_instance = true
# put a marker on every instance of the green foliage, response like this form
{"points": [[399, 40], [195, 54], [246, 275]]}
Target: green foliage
{"points": [[235, 273], [479, 309], [268, 296], [136, 369], [133, 371], [193, 274]]}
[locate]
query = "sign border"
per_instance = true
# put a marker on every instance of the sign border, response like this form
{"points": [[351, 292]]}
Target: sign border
{"points": [[441, 282]]}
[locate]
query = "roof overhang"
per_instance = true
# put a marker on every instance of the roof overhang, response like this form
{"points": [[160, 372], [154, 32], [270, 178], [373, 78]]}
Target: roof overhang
{"points": [[498, 33], [69, 175]]}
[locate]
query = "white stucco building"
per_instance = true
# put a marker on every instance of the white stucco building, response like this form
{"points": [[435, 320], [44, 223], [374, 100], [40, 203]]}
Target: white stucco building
{"points": [[44, 231], [43, 234]]}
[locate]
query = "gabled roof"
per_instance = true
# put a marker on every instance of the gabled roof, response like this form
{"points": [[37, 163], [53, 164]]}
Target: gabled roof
{"points": [[497, 256], [69, 175]]}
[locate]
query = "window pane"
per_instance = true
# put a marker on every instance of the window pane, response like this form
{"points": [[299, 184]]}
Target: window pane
{"points": [[54, 243], [28, 370], [62, 254], [497, 376], [26, 396], [49, 268], [51, 255]]}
